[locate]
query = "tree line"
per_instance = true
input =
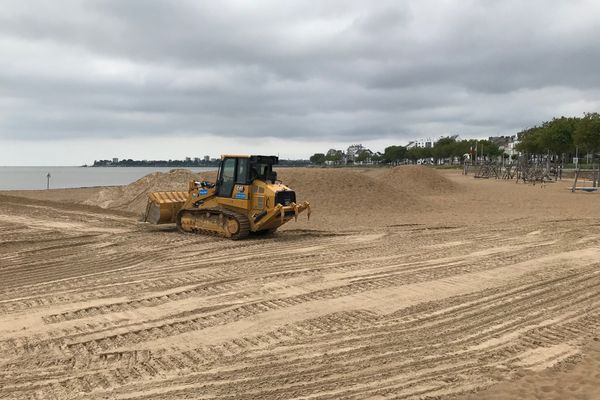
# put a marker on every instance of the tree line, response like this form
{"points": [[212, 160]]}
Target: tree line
{"points": [[156, 163], [563, 137], [446, 148], [188, 163]]}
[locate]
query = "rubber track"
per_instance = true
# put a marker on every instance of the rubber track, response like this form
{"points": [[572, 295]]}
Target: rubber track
{"points": [[242, 220]]}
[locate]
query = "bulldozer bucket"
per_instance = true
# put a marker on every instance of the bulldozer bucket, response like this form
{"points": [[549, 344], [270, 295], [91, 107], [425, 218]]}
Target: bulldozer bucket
{"points": [[162, 207]]}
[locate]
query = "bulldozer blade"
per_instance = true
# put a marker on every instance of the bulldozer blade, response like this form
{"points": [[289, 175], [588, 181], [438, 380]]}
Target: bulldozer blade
{"points": [[162, 207]]}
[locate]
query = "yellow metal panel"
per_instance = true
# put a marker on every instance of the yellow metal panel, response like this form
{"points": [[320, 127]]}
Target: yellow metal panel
{"points": [[234, 156], [244, 204], [168, 197], [258, 202], [163, 206]]}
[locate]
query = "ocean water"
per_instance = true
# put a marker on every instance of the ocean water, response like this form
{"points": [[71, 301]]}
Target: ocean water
{"points": [[24, 178]]}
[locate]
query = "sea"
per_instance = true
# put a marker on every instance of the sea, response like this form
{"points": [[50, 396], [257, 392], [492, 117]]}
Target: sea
{"points": [[34, 178]]}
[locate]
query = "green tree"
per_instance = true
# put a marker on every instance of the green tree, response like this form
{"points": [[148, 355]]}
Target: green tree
{"points": [[463, 147], [335, 156], [413, 154], [419, 153], [318, 158], [481, 148], [394, 154], [557, 135], [531, 141], [426, 152], [364, 155], [444, 148], [489, 148], [587, 133]]}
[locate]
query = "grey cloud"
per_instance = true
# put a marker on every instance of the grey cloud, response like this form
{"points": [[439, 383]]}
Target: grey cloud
{"points": [[341, 71]]}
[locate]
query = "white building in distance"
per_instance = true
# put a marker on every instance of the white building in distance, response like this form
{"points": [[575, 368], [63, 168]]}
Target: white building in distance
{"points": [[420, 143], [353, 151]]}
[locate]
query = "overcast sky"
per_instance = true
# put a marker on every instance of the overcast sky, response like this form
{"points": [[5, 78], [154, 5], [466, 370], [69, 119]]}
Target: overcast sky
{"points": [[85, 80]]}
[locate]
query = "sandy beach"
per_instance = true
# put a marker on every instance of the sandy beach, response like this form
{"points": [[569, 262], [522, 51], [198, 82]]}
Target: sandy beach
{"points": [[406, 283]]}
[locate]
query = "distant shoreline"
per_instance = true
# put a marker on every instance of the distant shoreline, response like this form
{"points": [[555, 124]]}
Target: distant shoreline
{"points": [[149, 166], [185, 166], [213, 163]]}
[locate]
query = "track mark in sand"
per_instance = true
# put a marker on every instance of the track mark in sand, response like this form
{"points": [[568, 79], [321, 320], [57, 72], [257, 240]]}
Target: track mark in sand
{"points": [[381, 295], [147, 365], [205, 289], [335, 316], [389, 345], [541, 358], [264, 314], [447, 244], [160, 299], [60, 225]]}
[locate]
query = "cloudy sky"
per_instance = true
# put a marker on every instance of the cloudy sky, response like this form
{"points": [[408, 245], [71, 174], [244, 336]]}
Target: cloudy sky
{"points": [[85, 80]]}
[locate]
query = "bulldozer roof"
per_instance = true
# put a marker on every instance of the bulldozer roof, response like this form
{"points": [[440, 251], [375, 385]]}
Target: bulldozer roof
{"points": [[234, 156], [254, 158]]}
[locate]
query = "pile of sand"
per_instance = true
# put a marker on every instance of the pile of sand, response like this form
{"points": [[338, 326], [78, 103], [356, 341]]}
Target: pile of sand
{"points": [[418, 180], [366, 197], [347, 190], [133, 197], [342, 197]]}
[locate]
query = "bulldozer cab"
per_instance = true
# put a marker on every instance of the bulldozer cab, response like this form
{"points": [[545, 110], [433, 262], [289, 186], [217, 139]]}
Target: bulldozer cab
{"points": [[243, 170]]}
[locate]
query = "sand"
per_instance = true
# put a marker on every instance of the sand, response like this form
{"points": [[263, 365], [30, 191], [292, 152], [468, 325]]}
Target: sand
{"points": [[575, 379], [407, 283]]}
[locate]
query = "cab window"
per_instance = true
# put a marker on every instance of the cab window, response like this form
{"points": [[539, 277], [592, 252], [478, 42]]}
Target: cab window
{"points": [[260, 171], [227, 178], [242, 171]]}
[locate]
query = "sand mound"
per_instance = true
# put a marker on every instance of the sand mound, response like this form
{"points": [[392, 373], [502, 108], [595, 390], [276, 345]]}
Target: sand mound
{"points": [[338, 196], [343, 188], [349, 194], [418, 180], [133, 197]]}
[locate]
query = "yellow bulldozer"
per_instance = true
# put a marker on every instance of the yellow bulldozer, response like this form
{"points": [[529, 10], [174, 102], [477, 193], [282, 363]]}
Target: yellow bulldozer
{"points": [[246, 198]]}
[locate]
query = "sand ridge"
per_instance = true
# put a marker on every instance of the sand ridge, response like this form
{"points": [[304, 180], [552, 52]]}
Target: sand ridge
{"points": [[419, 180], [133, 197], [333, 192], [339, 188]]}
